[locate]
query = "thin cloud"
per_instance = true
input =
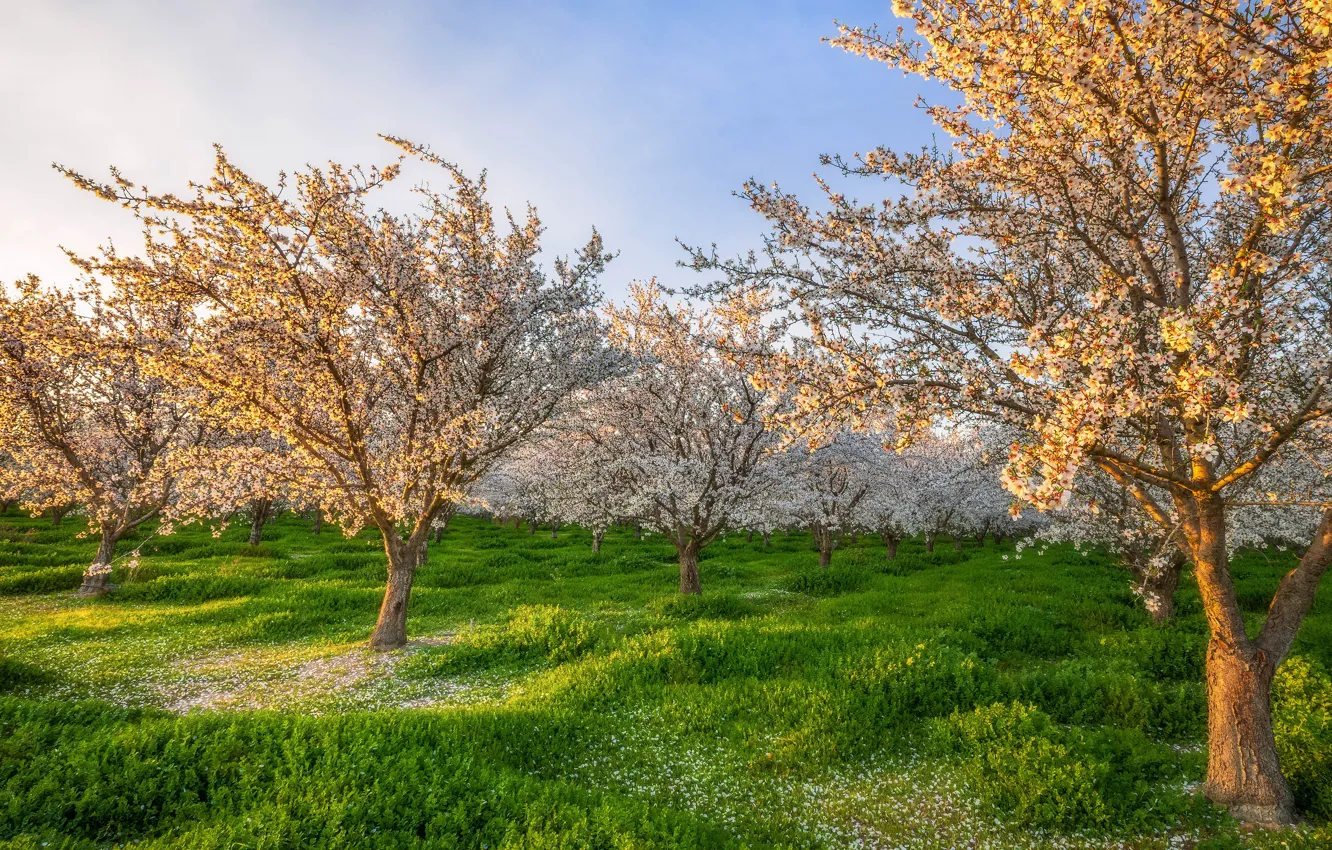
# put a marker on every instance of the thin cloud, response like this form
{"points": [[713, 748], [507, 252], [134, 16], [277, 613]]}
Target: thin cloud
{"points": [[639, 121]]}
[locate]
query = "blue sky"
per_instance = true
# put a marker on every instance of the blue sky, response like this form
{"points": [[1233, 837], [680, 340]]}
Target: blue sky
{"points": [[640, 118]]}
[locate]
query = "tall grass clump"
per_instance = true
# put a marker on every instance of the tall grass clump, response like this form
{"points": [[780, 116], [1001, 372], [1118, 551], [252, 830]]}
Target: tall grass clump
{"points": [[531, 633], [1015, 759]]}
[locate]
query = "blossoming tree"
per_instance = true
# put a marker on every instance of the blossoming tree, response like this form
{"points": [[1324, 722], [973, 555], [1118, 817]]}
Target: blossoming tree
{"points": [[563, 478], [398, 357], [827, 488], [82, 419], [687, 429], [1124, 257]]}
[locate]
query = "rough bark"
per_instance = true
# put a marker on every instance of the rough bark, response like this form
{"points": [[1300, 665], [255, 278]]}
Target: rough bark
{"points": [[58, 513], [1243, 769], [638, 532], [929, 543], [97, 578], [597, 537], [767, 540], [749, 538], [391, 627], [554, 530], [531, 529], [689, 578], [318, 522], [957, 542], [7, 505]]}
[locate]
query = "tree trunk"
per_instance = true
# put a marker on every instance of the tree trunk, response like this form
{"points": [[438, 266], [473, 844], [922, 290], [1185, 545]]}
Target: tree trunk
{"points": [[749, 538], [957, 542], [554, 530], [391, 627], [638, 532], [767, 540], [517, 524], [889, 543], [980, 537], [259, 509], [531, 529], [597, 537], [97, 578], [826, 546], [1158, 591], [58, 513], [1243, 770], [318, 521], [689, 578], [439, 533], [999, 539], [929, 543]]}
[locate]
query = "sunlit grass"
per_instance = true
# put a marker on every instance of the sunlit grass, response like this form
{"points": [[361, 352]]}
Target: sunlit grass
{"points": [[552, 695]]}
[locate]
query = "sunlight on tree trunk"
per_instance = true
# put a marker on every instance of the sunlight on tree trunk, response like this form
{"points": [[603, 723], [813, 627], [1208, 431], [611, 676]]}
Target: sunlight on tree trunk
{"points": [[1243, 770], [391, 627], [97, 578]]}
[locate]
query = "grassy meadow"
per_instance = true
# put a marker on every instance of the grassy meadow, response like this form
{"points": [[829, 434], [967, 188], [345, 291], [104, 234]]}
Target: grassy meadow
{"points": [[556, 698]]}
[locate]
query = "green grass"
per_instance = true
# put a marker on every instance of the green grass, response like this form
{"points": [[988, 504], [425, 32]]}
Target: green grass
{"points": [[553, 698]]}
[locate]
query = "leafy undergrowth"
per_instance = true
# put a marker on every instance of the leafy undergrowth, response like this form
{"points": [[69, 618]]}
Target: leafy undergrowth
{"points": [[551, 697]]}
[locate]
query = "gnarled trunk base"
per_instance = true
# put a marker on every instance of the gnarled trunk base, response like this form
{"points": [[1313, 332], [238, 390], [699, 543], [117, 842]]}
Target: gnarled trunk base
{"points": [[1243, 770], [391, 628], [95, 583], [97, 578]]}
